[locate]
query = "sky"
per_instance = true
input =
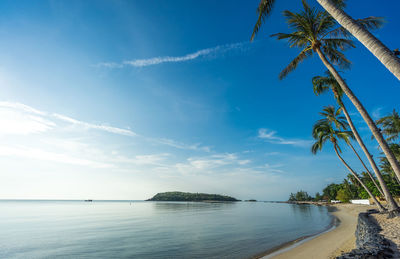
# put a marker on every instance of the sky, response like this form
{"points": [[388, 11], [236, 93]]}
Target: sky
{"points": [[125, 99]]}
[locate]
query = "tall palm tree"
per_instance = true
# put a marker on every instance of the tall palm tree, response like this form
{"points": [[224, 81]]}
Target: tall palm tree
{"points": [[321, 84], [353, 26], [324, 131], [380, 51], [314, 32], [391, 125], [334, 116]]}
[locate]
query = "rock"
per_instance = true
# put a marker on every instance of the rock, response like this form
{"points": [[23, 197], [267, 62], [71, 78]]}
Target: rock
{"points": [[369, 243]]}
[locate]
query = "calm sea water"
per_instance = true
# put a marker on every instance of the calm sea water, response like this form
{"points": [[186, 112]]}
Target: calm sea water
{"points": [[120, 229]]}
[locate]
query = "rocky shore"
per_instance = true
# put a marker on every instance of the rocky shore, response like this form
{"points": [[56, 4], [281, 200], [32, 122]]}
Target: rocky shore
{"points": [[370, 243]]}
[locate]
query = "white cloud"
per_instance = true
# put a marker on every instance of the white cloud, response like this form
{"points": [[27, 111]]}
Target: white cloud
{"points": [[152, 159], [377, 113], [179, 145], [20, 106], [244, 162], [200, 164], [95, 126], [17, 118], [271, 137], [168, 59], [39, 154], [17, 122]]}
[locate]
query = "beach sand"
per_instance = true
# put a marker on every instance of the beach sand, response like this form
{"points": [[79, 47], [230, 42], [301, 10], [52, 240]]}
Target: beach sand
{"points": [[332, 243]]}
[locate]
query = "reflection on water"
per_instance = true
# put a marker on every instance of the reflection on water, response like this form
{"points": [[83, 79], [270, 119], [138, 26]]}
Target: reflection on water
{"points": [[190, 206], [38, 229]]}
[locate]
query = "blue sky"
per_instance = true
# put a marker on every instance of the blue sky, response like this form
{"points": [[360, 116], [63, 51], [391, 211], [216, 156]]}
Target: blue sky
{"points": [[124, 99]]}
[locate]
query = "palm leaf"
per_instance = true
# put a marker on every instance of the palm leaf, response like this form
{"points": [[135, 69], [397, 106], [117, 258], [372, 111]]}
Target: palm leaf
{"points": [[369, 23], [295, 62], [263, 10]]}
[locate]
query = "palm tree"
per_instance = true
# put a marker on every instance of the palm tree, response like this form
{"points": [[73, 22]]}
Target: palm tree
{"points": [[380, 51], [391, 125], [314, 32], [321, 84], [355, 27], [324, 131], [334, 116]]}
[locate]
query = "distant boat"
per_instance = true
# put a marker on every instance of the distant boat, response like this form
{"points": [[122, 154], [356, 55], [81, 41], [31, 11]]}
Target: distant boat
{"points": [[88, 200]]}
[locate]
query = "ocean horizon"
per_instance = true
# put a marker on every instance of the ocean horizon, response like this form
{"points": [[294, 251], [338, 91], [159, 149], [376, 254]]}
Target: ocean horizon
{"points": [[144, 229]]}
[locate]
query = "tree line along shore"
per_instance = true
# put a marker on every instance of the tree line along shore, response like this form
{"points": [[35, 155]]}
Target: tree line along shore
{"points": [[327, 33]]}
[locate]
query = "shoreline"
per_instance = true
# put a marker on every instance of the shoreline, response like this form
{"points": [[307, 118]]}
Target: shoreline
{"points": [[298, 241], [328, 243]]}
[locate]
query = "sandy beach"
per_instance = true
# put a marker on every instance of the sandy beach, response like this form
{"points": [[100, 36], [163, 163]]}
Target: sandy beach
{"points": [[332, 243]]}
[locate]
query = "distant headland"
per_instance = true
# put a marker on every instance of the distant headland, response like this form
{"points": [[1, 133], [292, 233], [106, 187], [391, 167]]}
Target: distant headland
{"points": [[187, 196]]}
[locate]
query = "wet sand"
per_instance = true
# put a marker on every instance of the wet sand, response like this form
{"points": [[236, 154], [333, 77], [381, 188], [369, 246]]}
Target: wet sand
{"points": [[329, 244]]}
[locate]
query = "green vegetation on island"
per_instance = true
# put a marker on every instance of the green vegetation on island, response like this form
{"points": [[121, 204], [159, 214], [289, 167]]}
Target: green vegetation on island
{"points": [[187, 196]]}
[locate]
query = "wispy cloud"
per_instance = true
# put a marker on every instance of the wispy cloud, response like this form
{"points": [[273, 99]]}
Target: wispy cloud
{"points": [[175, 144], [87, 125], [40, 154], [272, 137], [20, 119], [377, 113], [17, 119], [152, 159], [200, 164], [174, 59]]}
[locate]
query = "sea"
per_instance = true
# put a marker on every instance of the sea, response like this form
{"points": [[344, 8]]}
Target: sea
{"points": [[144, 229]]}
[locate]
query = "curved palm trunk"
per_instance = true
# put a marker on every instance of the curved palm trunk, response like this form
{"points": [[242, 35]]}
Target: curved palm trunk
{"points": [[380, 207], [381, 52], [368, 172], [388, 196], [364, 114]]}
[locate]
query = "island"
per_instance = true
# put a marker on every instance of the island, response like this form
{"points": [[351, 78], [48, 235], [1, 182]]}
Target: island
{"points": [[187, 196]]}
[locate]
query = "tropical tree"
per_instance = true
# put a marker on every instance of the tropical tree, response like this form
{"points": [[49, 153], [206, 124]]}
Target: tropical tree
{"points": [[334, 116], [315, 31], [330, 191], [343, 195], [322, 84], [380, 51], [350, 25], [390, 125], [386, 166], [324, 131]]}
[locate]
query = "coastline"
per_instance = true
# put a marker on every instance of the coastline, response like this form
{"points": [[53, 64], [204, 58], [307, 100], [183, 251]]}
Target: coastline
{"points": [[337, 238]]}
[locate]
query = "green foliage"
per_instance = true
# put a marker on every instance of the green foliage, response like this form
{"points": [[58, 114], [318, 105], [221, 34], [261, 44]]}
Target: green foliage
{"points": [[388, 174], [318, 197], [186, 196], [300, 196], [330, 192], [390, 125], [343, 195]]}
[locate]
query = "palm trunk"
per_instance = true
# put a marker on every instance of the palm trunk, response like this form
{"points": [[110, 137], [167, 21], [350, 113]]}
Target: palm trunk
{"points": [[380, 51], [364, 114], [388, 196], [368, 172], [380, 207]]}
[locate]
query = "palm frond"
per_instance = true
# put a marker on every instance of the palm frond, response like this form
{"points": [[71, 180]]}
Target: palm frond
{"points": [[326, 23], [369, 23], [321, 84], [390, 125], [338, 43], [295, 62], [339, 3], [336, 57], [263, 10]]}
